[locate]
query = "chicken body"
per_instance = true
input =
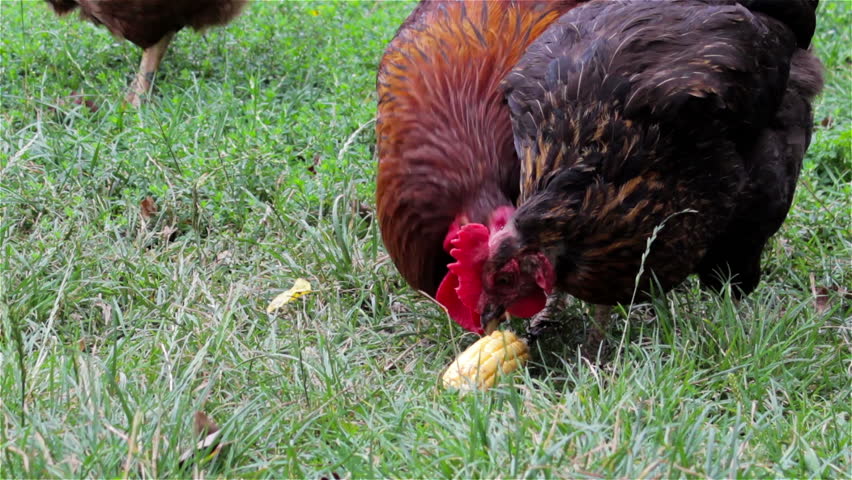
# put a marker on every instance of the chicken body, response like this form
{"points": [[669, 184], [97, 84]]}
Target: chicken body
{"points": [[150, 25], [665, 136], [444, 136]]}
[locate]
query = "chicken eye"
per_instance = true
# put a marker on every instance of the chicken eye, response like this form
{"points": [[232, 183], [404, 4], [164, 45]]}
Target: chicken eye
{"points": [[504, 280]]}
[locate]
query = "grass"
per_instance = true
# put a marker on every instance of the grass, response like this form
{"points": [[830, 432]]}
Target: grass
{"points": [[117, 326]]}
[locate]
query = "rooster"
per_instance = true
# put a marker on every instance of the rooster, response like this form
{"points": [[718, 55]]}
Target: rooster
{"points": [[150, 25], [445, 145], [657, 139]]}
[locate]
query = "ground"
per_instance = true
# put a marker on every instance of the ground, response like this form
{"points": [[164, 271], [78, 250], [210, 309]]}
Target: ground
{"points": [[121, 316]]}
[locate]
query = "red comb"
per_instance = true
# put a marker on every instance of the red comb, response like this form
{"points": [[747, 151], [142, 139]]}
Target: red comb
{"points": [[470, 252], [452, 234], [459, 291]]}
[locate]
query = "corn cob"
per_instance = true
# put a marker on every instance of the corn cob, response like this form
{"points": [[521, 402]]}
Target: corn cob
{"points": [[477, 367]]}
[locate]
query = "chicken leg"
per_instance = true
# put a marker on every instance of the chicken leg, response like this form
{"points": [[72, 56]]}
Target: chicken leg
{"points": [[597, 334], [151, 58]]}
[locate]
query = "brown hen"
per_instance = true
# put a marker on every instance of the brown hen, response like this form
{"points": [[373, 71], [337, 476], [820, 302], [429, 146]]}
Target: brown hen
{"points": [[657, 139], [150, 25]]}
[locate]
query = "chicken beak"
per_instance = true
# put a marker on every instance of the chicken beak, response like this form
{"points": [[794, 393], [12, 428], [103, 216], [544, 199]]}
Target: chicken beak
{"points": [[491, 318]]}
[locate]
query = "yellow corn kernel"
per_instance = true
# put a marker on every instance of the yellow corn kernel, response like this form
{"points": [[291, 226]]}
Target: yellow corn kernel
{"points": [[476, 367]]}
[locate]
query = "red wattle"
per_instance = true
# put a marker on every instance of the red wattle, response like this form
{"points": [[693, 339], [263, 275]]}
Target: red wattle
{"points": [[528, 306], [464, 316]]}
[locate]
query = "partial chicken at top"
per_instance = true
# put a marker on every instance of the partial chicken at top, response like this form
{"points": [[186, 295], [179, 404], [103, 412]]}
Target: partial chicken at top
{"points": [[150, 25]]}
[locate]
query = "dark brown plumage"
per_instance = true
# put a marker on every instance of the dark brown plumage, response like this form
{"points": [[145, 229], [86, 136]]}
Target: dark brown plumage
{"points": [[444, 137], [150, 25], [683, 120]]}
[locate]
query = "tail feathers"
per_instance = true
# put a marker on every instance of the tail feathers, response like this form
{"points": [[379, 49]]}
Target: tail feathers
{"points": [[798, 15], [806, 74]]}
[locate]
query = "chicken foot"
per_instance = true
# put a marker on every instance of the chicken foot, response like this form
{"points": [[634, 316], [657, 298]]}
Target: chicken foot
{"points": [[546, 320], [547, 323], [151, 58]]}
